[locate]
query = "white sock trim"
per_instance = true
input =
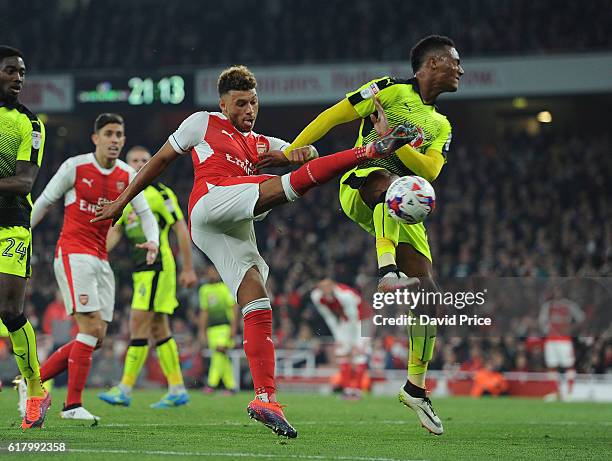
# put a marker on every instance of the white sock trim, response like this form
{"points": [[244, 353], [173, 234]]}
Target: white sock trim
{"points": [[291, 195], [261, 304], [87, 339]]}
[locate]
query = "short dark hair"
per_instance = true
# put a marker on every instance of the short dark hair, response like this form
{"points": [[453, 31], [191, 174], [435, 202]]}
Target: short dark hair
{"points": [[238, 78], [425, 46], [8, 52], [104, 119]]}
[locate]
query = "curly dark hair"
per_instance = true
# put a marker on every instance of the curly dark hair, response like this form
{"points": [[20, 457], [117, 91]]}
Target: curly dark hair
{"points": [[238, 78]]}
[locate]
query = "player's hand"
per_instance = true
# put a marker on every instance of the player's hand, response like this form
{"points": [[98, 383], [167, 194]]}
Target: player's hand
{"points": [[152, 250], [417, 136], [379, 119], [109, 210], [272, 158], [301, 155], [188, 278]]}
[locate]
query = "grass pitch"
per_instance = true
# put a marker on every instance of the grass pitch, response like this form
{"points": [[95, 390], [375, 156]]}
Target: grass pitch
{"points": [[375, 429]]}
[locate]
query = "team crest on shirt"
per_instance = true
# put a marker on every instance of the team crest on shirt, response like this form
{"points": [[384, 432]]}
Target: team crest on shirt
{"points": [[261, 147], [120, 186], [83, 299]]}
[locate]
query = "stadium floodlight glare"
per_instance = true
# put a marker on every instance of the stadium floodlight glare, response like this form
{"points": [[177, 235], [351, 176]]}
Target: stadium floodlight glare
{"points": [[544, 117]]}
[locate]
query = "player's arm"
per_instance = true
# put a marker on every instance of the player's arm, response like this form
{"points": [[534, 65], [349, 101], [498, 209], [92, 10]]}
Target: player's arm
{"points": [[324, 311], [339, 113], [350, 303], [171, 211], [429, 164], [61, 182], [29, 157], [113, 237], [202, 319], [577, 313], [149, 227], [23, 180], [187, 277], [234, 321]]}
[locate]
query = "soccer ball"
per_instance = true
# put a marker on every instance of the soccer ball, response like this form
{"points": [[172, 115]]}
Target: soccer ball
{"points": [[410, 199]]}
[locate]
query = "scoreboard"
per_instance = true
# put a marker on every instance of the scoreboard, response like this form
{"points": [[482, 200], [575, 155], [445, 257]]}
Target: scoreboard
{"points": [[136, 90]]}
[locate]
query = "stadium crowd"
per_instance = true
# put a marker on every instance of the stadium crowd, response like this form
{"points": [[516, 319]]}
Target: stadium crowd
{"points": [[528, 206], [180, 33]]}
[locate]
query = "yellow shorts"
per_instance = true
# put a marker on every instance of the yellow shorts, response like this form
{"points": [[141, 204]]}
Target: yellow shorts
{"points": [[356, 209], [155, 291], [16, 251]]}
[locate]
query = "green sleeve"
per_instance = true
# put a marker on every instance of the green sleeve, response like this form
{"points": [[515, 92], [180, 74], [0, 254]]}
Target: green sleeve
{"points": [[173, 205], [362, 98], [443, 140], [32, 140]]}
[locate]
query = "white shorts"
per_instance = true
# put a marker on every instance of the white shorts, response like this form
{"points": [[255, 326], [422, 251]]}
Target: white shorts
{"points": [[349, 339], [222, 227], [559, 353], [87, 284]]}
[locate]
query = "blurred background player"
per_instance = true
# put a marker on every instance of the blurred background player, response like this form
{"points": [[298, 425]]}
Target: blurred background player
{"points": [[341, 308], [22, 139], [558, 318], [154, 291], [217, 325], [81, 266], [402, 249], [229, 194]]}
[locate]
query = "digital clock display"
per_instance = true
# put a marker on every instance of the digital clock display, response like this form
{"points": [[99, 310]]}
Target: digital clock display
{"points": [[134, 90]]}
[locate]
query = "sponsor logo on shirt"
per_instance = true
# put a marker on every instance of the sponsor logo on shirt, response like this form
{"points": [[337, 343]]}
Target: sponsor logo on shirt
{"points": [[370, 91], [247, 166]]}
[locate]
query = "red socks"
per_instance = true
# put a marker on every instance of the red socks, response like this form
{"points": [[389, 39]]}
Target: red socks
{"points": [[345, 374], [56, 362], [259, 349], [79, 364], [323, 169], [360, 370]]}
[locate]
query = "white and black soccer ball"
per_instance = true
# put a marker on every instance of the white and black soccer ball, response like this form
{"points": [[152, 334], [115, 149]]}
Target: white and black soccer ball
{"points": [[410, 199]]}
